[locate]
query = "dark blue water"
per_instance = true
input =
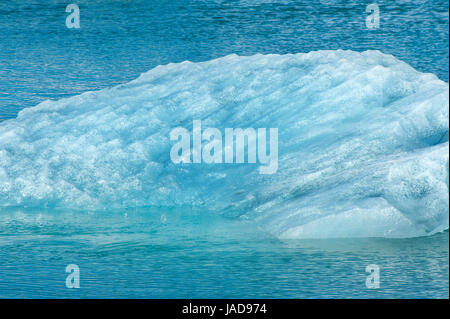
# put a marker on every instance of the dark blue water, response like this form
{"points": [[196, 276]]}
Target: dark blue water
{"points": [[180, 253]]}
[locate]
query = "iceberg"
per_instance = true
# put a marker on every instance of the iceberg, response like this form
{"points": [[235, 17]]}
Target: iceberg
{"points": [[363, 143]]}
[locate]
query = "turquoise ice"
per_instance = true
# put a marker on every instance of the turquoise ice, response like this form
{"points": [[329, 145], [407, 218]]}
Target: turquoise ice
{"points": [[363, 145]]}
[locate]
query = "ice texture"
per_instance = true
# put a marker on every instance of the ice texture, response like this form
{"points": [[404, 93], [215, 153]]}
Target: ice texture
{"points": [[363, 145]]}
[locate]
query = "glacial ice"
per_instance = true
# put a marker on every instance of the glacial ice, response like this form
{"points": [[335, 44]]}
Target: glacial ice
{"points": [[363, 145]]}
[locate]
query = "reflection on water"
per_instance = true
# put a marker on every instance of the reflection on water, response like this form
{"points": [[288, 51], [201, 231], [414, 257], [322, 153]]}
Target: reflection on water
{"points": [[196, 254]]}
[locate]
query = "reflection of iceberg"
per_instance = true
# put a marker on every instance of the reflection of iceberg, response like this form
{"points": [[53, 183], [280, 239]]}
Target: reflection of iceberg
{"points": [[363, 144]]}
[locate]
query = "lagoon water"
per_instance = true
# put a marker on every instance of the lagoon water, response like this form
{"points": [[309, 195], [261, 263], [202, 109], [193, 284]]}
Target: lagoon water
{"points": [[180, 252], [183, 253]]}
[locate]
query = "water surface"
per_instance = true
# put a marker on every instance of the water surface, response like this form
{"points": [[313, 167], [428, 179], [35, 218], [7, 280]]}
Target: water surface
{"points": [[184, 253]]}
